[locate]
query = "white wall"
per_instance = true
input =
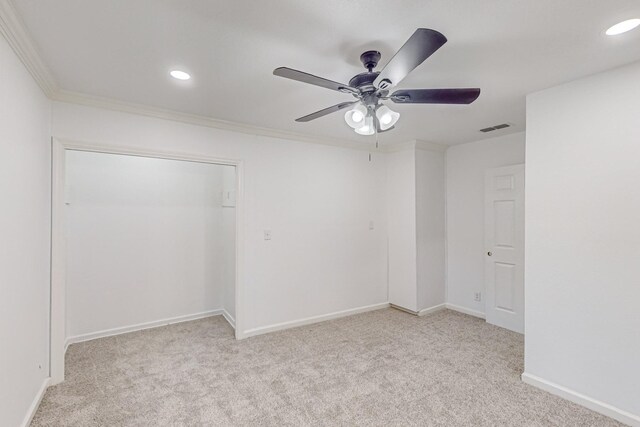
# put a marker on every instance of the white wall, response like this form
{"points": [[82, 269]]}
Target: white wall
{"points": [[25, 117], [582, 276], [430, 227], [317, 201], [401, 212], [145, 240], [465, 166], [415, 199]]}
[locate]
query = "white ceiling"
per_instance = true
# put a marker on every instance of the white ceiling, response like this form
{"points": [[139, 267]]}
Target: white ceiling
{"points": [[124, 49]]}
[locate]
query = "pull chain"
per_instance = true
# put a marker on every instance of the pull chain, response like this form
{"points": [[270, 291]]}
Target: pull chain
{"points": [[375, 127]]}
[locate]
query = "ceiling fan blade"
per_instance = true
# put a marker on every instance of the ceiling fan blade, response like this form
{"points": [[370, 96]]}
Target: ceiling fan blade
{"points": [[421, 45], [435, 96], [326, 111], [290, 73]]}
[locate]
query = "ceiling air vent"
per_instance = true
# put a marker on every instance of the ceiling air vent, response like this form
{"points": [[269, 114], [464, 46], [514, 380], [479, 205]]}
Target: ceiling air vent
{"points": [[496, 127]]}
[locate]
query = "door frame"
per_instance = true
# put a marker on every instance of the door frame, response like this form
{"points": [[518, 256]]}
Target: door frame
{"points": [[57, 325]]}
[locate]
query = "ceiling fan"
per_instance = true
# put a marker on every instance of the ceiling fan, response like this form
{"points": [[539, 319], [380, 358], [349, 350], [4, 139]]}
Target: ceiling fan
{"points": [[368, 114]]}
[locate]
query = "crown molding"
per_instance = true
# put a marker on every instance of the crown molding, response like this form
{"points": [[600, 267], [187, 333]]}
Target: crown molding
{"points": [[400, 146], [194, 119], [14, 31], [414, 144]]}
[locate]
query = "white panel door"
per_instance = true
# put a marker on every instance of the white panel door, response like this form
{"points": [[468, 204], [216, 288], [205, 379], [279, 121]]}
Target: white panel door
{"points": [[504, 246]]}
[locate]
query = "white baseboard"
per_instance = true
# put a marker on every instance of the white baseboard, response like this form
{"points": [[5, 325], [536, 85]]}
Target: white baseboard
{"points": [[466, 310], [309, 320], [581, 399], [33, 408], [406, 310], [422, 312], [433, 309], [141, 326], [229, 318]]}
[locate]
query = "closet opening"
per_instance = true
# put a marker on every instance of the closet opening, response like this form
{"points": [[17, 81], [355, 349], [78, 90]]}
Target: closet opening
{"points": [[140, 241]]}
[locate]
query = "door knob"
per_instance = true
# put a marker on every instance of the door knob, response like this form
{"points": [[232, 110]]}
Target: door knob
{"points": [[489, 253]]}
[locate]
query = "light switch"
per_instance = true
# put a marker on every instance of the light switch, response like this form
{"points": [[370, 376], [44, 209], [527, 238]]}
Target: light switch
{"points": [[267, 234]]}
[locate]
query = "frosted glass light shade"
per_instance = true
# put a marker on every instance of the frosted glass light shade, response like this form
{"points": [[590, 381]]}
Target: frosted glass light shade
{"points": [[367, 128], [356, 116], [386, 117]]}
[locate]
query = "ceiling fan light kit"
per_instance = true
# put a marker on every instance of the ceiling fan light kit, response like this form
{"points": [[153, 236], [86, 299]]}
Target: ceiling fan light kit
{"points": [[386, 117], [367, 128], [368, 114], [355, 117]]}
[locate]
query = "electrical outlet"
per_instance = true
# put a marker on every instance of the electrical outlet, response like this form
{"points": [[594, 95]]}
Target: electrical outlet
{"points": [[477, 296], [267, 234]]}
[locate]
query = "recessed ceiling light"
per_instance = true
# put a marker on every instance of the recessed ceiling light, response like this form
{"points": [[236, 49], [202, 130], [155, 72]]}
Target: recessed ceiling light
{"points": [[623, 27], [180, 75]]}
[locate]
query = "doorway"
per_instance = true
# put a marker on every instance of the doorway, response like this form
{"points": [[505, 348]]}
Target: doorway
{"points": [[140, 239]]}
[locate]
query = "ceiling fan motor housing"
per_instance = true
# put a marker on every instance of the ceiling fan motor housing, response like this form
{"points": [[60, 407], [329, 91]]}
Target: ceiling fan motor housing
{"points": [[364, 81], [370, 59]]}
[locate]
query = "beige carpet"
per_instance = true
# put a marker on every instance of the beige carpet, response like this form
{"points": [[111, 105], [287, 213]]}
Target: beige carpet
{"points": [[376, 369]]}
